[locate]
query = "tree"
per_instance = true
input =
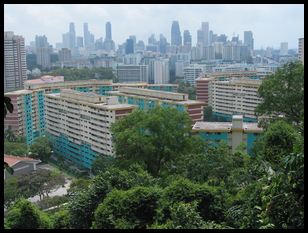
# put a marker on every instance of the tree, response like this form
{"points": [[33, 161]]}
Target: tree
{"points": [[61, 219], [131, 209], [9, 135], [82, 206], [15, 148], [10, 190], [279, 139], [8, 106], [84, 203], [101, 163], [25, 215], [208, 113], [210, 203], [283, 94], [78, 185], [153, 137], [41, 149]]}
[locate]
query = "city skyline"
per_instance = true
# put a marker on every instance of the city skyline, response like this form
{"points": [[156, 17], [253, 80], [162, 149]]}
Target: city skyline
{"points": [[270, 24]]}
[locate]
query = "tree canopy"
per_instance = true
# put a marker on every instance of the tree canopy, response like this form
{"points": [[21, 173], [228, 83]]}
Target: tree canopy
{"points": [[154, 137], [282, 93]]}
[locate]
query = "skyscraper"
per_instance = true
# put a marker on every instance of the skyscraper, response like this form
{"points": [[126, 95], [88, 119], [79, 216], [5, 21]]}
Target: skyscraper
{"points": [[129, 47], [283, 48], [14, 61], [72, 40], [301, 49], [162, 43], [176, 38], [248, 39], [79, 42], [199, 37], [161, 71], [86, 35], [108, 31], [205, 30], [187, 40], [42, 51]]}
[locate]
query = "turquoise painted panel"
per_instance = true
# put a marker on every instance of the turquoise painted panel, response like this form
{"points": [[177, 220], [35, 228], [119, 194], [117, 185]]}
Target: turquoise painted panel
{"points": [[103, 89], [28, 119], [214, 138], [81, 155], [228, 118], [55, 91], [251, 138]]}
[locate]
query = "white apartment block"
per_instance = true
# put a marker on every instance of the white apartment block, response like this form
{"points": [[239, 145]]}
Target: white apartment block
{"points": [[191, 73], [161, 71], [301, 49], [79, 124], [132, 73], [14, 61], [235, 96]]}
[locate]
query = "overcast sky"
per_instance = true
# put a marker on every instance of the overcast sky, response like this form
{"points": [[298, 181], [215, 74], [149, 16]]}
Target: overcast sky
{"points": [[270, 24]]}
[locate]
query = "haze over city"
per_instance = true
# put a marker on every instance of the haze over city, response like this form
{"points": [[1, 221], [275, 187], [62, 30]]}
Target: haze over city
{"points": [[270, 24]]}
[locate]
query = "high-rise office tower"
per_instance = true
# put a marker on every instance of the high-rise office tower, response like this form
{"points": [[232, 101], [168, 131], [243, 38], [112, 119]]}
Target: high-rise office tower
{"points": [[14, 61], [133, 37], [176, 38], [66, 40], [72, 36], [283, 48], [108, 43], [43, 51], [86, 35], [187, 40], [200, 37], [222, 38], [162, 44], [152, 40], [211, 37], [129, 47], [79, 42], [108, 31], [248, 40], [301, 49], [205, 30]]}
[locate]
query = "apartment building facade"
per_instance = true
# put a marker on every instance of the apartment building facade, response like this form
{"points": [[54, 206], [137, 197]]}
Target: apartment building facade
{"points": [[27, 119], [78, 124], [148, 99], [233, 133]]}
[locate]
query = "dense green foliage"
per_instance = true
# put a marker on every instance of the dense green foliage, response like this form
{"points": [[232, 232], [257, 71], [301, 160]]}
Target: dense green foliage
{"points": [[25, 215], [74, 74], [15, 148], [164, 178], [187, 89], [283, 94], [41, 149], [155, 137], [39, 183]]}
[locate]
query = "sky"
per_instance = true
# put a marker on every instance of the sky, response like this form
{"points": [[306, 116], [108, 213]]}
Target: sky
{"points": [[271, 24]]}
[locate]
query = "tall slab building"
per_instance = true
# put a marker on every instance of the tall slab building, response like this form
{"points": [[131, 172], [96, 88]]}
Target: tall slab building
{"points": [[14, 61]]}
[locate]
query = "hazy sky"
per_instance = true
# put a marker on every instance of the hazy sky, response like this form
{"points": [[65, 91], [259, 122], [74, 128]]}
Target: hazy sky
{"points": [[270, 24]]}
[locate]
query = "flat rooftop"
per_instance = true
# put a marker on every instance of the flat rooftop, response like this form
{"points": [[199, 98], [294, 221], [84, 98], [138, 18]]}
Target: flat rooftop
{"points": [[204, 126]]}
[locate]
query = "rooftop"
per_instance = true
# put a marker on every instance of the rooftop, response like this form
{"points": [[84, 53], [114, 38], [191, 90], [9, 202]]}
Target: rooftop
{"points": [[12, 160], [46, 79]]}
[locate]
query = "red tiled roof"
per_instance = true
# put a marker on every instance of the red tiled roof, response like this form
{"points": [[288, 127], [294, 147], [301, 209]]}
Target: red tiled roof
{"points": [[12, 160]]}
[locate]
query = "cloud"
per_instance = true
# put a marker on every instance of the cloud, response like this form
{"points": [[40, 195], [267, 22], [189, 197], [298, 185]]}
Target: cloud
{"points": [[270, 24]]}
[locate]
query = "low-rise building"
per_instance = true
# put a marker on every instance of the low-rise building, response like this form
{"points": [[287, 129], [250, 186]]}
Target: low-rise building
{"points": [[148, 99], [20, 165], [233, 133]]}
